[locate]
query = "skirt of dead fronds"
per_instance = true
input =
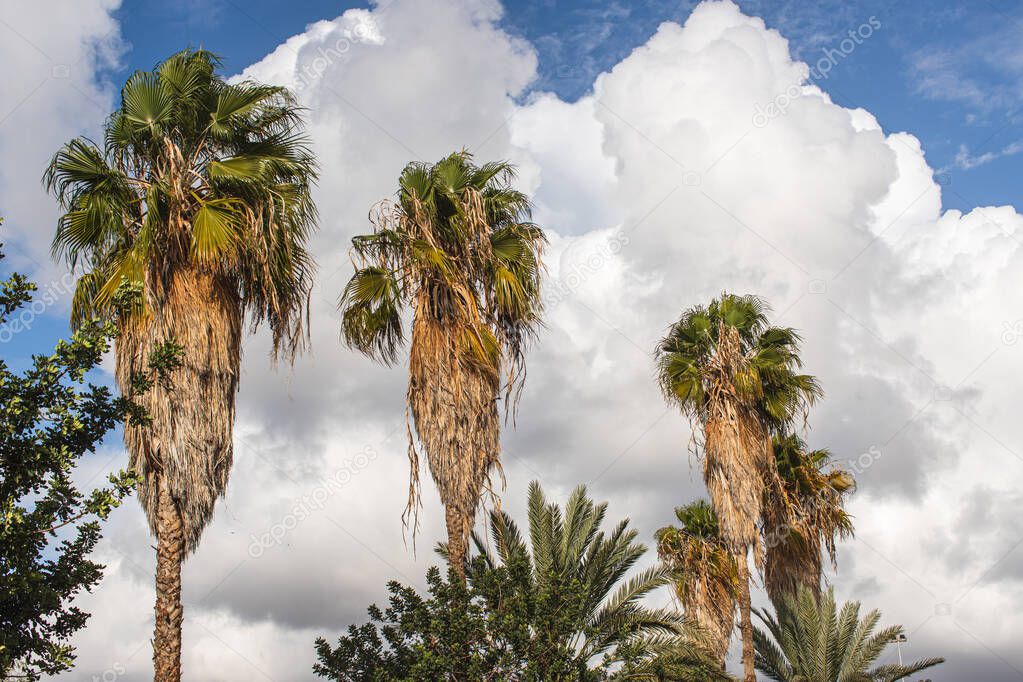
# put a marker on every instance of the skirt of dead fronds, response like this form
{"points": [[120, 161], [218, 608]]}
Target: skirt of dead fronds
{"points": [[453, 400], [737, 448], [187, 447]]}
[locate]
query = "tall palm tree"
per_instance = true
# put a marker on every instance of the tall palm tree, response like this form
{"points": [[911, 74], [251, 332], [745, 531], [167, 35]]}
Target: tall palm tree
{"points": [[457, 248], [811, 639], [703, 570], [736, 377], [192, 214], [579, 573], [804, 516]]}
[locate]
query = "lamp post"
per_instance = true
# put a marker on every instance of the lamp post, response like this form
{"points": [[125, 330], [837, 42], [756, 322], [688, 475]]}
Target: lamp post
{"points": [[899, 640]]}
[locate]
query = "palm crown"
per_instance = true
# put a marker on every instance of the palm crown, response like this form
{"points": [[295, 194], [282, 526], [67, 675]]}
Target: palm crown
{"points": [[810, 638], [196, 171], [804, 515], [767, 375], [458, 242], [703, 570], [578, 573]]}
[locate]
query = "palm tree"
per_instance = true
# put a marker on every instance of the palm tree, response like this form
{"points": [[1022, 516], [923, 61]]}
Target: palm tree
{"points": [[804, 516], [456, 248], [811, 639], [576, 573], [704, 572], [192, 214], [736, 377]]}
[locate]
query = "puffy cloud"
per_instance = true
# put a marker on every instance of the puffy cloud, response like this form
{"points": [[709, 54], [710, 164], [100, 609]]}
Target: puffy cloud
{"points": [[54, 55], [671, 181]]}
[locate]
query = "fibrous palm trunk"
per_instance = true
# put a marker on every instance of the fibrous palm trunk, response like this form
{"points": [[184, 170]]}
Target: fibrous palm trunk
{"points": [[183, 455], [170, 550], [453, 400]]}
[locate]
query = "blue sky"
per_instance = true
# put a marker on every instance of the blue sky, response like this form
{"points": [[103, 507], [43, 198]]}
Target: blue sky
{"points": [[950, 74]]}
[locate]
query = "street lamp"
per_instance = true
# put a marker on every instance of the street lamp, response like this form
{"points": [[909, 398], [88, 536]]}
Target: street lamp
{"points": [[899, 640]]}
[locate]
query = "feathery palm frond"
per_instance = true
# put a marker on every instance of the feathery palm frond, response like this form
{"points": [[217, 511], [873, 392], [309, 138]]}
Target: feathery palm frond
{"points": [[810, 638], [579, 572]]}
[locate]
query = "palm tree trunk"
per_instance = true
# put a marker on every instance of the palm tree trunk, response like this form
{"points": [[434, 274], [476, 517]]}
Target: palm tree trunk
{"points": [[170, 552], [456, 541], [745, 622]]}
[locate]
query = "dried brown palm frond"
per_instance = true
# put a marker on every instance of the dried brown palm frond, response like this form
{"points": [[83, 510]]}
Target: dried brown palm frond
{"points": [[704, 572], [737, 449], [804, 516], [187, 445], [453, 402]]}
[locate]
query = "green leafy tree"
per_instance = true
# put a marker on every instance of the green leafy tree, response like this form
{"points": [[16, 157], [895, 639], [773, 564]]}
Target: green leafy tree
{"points": [[810, 638], [737, 378], [556, 608], [197, 206], [458, 249], [50, 418]]}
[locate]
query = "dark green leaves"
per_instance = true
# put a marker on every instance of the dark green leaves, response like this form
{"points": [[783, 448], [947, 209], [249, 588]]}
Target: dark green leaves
{"points": [[558, 608], [48, 527]]}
